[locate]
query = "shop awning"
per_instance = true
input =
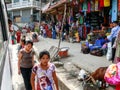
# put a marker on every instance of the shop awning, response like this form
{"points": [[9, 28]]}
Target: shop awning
{"points": [[45, 7], [58, 4]]}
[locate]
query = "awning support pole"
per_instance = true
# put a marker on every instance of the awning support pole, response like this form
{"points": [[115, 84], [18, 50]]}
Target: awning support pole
{"points": [[65, 6]]}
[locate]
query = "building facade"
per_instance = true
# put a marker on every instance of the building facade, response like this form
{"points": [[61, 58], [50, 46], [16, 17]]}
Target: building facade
{"points": [[24, 11]]}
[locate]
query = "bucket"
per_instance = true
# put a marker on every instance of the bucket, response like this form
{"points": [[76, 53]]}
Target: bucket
{"points": [[63, 52]]}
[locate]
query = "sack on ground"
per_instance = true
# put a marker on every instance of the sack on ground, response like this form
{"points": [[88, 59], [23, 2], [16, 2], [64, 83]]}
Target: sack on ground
{"points": [[97, 52], [85, 49]]}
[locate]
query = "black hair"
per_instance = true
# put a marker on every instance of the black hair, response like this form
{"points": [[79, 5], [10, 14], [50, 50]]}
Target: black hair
{"points": [[116, 22], [44, 53], [23, 40], [9, 21], [29, 42]]}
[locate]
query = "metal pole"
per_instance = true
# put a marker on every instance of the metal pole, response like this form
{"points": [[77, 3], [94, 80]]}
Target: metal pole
{"points": [[65, 8], [40, 14]]}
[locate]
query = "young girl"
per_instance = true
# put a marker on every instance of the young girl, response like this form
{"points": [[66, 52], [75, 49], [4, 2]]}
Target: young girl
{"points": [[45, 74]]}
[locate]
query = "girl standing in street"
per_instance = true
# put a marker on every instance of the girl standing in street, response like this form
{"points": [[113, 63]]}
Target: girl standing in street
{"points": [[45, 74], [25, 63]]}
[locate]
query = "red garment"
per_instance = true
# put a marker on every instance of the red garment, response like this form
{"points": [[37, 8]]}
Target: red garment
{"points": [[89, 6], [117, 87], [18, 34], [101, 3]]}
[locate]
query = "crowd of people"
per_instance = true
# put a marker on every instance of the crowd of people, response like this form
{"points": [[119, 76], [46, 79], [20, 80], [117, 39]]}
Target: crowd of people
{"points": [[54, 30]]}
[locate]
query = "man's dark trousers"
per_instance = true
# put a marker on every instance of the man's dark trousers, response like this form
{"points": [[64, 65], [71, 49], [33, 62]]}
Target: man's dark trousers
{"points": [[113, 49]]}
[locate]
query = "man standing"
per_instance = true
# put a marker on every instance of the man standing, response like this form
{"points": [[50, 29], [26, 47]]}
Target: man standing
{"points": [[112, 37]]}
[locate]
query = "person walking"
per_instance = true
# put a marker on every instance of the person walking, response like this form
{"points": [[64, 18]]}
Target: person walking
{"points": [[117, 46], [25, 63], [44, 73], [113, 36]]}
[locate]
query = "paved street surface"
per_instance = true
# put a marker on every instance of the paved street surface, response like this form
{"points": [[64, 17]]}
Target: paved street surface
{"points": [[86, 61], [66, 80]]}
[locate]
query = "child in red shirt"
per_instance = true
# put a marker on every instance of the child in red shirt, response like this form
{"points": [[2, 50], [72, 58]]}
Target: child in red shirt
{"points": [[18, 34]]}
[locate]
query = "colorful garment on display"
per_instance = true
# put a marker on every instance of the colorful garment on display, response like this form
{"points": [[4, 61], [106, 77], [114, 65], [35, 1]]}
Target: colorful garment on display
{"points": [[101, 2], [74, 2], [92, 5], [106, 3], [118, 5], [89, 6], [81, 19], [84, 8], [96, 5]]}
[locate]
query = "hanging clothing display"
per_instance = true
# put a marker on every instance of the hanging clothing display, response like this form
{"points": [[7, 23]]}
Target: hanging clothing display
{"points": [[96, 5], [81, 19], [92, 5], [89, 6], [84, 8], [107, 3], [114, 10], [118, 5], [101, 2]]}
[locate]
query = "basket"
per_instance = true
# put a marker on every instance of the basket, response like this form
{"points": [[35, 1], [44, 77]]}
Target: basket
{"points": [[63, 52]]}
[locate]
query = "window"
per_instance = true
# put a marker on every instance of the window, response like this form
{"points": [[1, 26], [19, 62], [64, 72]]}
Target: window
{"points": [[15, 1]]}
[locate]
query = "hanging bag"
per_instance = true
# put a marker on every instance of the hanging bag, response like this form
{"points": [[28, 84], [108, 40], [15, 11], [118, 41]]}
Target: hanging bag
{"points": [[109, 51]]}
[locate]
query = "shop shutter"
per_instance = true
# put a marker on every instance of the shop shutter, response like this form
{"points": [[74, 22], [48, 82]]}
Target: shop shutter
{"points": [[106, 3]]}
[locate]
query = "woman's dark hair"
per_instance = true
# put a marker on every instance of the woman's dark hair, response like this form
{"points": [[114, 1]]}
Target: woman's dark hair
{"points": [[44, 53], [29, 42], [23, 40]]}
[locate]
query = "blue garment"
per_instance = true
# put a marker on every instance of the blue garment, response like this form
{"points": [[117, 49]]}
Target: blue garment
{"points": [[114, 32]]}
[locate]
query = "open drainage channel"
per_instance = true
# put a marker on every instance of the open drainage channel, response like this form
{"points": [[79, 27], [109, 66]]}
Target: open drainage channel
{"points": [[68, 76]]}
